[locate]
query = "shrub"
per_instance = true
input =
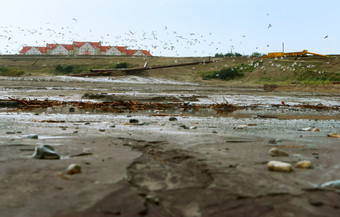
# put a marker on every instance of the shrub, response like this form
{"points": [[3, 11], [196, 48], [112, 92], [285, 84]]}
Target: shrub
{"points": [[9, 71], [121, 65], [67, 69], [256, 54]]}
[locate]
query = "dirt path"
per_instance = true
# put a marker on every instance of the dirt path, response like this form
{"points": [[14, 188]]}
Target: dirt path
{"points": [[198, 163]]}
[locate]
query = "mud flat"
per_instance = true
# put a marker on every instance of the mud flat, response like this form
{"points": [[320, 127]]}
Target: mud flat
{"points": [[188, 159]]}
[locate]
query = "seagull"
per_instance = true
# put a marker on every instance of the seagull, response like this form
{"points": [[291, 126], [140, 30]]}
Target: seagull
{"points": [[270, 25], [325, 37], [75, 19]]}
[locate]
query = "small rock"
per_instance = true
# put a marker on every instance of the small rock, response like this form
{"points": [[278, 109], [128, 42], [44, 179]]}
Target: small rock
{"points": [[333, 134], [240, 127], [333, 184], [10, 132], [279, 166], [184, 126], [102, 130], [272, 141], [32, 136], [133, 121], [275, 152], [113, 126], [45, 152], [73, 169], [71, 109], [306, 129], [172, 119], [87, 123], [315, 130], [305, 164], [152, 198]]}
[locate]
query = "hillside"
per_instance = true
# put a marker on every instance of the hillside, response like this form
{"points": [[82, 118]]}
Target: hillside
{"points": [[254, 71]]}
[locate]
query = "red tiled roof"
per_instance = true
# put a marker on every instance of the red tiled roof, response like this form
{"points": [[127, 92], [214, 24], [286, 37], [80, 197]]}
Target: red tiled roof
{"points": [[146, 53], [51, 46], [69, 46], [25, 49], [95, 44], [78, 44], [130, 52], [121, 49], [42, 49], [105, 48]]}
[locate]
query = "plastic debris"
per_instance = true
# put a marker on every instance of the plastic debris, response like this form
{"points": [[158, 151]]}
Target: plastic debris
{"points": [[332, 184], [45, 152]]}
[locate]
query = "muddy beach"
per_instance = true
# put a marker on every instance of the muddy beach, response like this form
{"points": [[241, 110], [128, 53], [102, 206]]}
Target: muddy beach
{"points": [[180, 158]]}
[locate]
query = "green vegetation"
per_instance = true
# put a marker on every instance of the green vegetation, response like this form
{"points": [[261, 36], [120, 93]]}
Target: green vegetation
{"points": [[10, 71], [68, 69], [232, 72], [228, 55], [256, 54], [121, 65]]}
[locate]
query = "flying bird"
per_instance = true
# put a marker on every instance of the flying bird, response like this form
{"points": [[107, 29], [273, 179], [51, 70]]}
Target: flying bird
{"points": [[325, 37], [74, 19], [270, 25]]}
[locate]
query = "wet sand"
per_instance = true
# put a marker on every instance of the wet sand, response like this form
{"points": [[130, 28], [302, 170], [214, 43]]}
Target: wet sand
{"points": [[200, 164]]}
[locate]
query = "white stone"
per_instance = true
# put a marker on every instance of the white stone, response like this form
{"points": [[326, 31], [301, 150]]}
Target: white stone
{"points": [[279, 166]]}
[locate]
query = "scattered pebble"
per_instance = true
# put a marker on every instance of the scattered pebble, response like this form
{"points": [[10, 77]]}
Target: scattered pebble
{"points": [[310, 129], [73, 169], [172, 119], [279, 166], [239, 127], [275, 152], [304, 164], [32, 136], [333, 184], [113, 126], [10, 132], [45, 152], [133, 121], [102, 130], [333, 134], [87, 123], [72, 109]]}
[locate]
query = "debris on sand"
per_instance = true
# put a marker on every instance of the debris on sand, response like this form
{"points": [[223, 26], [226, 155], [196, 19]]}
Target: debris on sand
{"points": [[32, 136], [73, 169], [275, 152], [45, 152], [304, 164], [313, 129], [332, 184], [334, 135], [279, 166]]}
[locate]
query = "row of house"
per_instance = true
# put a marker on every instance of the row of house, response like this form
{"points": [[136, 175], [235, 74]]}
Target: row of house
{"points": [[82, 48]]}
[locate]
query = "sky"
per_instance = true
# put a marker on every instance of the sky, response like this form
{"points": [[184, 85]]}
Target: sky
{"points": [[175, 27]]}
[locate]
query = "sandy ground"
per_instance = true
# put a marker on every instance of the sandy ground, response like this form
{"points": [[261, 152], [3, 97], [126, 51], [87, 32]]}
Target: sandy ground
{"points": [[197, 165]]}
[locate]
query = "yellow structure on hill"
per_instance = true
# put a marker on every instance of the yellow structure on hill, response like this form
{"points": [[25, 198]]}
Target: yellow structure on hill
{"points": [[304, 53]]}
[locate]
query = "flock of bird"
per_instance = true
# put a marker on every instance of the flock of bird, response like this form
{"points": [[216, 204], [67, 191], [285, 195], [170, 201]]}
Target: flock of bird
{"points": [[160, 42]]}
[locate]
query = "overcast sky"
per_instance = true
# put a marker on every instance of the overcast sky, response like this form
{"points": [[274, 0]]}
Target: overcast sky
{"points": [[175, 27]]}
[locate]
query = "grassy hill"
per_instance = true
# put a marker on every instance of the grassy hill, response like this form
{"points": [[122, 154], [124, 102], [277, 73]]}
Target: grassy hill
{"points": [[231, 70]]}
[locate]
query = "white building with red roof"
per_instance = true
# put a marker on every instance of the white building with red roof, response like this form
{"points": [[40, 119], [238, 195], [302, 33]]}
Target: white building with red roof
{"points": [[33, 50], [82, 48]]}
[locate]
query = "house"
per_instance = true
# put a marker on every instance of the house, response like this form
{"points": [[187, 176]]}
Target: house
{"points": [[112, 50], [137, 53], [60, 49], [82, 48], [86, 48], [33, 50]]}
